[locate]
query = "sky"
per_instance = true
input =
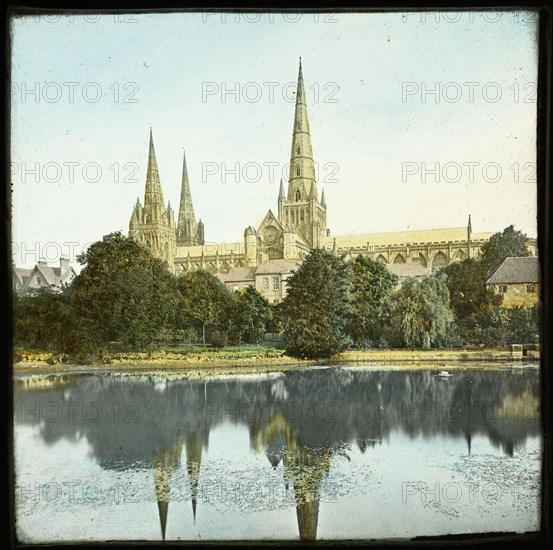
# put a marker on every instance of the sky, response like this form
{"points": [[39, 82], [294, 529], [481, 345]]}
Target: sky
{"points": [[417, 120]]}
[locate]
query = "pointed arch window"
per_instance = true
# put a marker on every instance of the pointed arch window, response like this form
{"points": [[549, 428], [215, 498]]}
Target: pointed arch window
{"points": [[298, 195], [297, 170]]}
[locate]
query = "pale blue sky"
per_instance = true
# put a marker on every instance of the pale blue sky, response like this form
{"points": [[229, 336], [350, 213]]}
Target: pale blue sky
{"points": [[362, 61]]}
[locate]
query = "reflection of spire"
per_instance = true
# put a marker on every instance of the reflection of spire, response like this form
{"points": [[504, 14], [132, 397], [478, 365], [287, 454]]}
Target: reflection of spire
{"points": [[194, 442], [166, 461], [468, 438], [163, 508], [304, 467]]}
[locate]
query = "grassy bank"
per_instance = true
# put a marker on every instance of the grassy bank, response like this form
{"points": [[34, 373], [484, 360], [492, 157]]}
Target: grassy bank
{"points": [[197, 361]]}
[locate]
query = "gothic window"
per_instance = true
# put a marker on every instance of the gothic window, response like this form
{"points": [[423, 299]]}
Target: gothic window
{"points": [[265, 283], [301, 215], [147, 219], [297, 170], [440, 260], [38, 281], [276, 283], [399, 259], [298, 195]]}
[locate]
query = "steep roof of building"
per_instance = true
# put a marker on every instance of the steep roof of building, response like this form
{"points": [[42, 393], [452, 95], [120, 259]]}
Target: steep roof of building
{"points": [[238, 275], [22, 274], [516, 269], [276, 266]]}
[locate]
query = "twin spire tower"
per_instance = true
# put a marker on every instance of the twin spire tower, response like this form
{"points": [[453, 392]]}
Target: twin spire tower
{"points": [[153, 225], [299, 226]]}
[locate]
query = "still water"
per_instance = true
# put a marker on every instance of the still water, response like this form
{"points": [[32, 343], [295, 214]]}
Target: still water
{"points": [[318, 453]]}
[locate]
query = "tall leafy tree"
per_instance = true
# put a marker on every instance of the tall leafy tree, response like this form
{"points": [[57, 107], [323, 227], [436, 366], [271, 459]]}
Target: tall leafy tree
{"points": [[316, 309], [122, 294], [501, 245], [372, 283], [41, 320], [468, 294], [250, 317], [205, 302], [419, 312]]}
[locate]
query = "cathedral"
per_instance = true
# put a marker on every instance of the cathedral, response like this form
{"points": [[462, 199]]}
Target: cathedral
{"points": [[269, 253]]}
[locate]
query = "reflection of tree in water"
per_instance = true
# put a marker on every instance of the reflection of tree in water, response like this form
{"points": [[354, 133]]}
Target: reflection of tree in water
{"points": [[315, 413]]}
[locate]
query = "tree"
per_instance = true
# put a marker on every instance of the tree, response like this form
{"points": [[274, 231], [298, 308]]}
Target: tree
{"points": [[468, 293], [419, 312], [372, 283], [204, 302], [501, 245], [41, 320], [316, 309], [122, 294], [251, 315]]}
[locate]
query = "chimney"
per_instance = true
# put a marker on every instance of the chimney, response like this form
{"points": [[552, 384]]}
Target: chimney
{"points": [[64, 265], [42, 261]]}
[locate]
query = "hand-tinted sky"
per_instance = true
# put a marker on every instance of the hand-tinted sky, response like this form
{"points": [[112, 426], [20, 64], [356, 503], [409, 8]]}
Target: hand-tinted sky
{"points": [[86, 89]]}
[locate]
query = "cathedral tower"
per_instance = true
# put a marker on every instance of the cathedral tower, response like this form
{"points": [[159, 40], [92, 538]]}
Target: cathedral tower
{"points": [[153, 225], [301, 208], [189, 233]]}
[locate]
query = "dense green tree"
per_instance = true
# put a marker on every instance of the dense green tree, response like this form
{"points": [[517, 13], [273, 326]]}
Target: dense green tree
{"points": [[372, 284], [41, 320], [205, 303], [419, 312], [316, 311], [501, 245], [250, 316], [468, 293], [122, 294], [500, 326]]}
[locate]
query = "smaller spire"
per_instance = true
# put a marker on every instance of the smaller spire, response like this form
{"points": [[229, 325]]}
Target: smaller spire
{"points": [[323, 200], [169, 205], [469, 227], [281, 190]]}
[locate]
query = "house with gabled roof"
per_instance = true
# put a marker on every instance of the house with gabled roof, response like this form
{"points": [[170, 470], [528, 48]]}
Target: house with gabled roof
{"points": [[517, 280], [43, 276]]}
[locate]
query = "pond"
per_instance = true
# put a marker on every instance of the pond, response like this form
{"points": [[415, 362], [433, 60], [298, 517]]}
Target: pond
{"points": [[311, 454]]}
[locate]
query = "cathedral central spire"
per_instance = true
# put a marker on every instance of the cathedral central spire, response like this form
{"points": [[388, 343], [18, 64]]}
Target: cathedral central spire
{"points": [[300, 210], [302, 167]]}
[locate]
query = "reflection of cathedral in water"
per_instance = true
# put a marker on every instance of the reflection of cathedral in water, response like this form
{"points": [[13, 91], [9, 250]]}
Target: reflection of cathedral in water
{"points": [[367, 407]]}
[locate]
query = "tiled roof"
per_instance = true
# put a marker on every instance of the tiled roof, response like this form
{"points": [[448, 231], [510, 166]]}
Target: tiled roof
{"points": [[238, 275], [520, 269], [22, 273], [277, 266]]}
